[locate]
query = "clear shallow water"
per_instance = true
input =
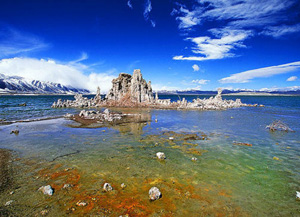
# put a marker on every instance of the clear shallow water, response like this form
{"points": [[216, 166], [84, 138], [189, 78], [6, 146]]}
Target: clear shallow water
{"points": [[227, 180]]}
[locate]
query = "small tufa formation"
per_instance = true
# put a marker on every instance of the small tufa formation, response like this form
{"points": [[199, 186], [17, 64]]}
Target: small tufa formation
{"points": [[107, 187], [46, 190], [154, 194], [160, 155], [279, 125], [79, 102]]}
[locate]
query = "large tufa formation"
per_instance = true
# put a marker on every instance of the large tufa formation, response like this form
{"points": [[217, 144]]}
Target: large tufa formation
{"points": [[132, 89]]}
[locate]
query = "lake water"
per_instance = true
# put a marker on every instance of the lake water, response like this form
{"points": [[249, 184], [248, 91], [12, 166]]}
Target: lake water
{"points": [[226, 180]]}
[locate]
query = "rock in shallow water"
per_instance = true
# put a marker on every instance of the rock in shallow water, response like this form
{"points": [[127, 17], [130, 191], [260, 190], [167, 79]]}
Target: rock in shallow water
{"points": [[161, 155], [46, 190], [154, 194], [107, 187], [279, 125], [8, 203]]}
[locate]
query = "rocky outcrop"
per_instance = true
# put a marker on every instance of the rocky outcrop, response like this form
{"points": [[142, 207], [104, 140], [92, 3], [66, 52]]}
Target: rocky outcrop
{"points": [[130, 89], [134, 91]]}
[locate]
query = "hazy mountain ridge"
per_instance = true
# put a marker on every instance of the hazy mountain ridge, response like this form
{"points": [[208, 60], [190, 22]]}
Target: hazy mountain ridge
{"points": [[20, 85]]}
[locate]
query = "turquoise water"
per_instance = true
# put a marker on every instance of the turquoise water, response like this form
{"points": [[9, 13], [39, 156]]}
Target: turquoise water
{"points": [[227, 179]]}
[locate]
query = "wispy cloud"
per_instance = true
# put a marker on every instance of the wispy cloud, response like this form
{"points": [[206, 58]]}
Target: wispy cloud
{"points": [[279, 31], [147, 10], [129, 4], [14, 42], [58, 72], [244, 77], [84, 56], [196, 68], [186, 18], [200, 81], [217, 48], [292, 78]]}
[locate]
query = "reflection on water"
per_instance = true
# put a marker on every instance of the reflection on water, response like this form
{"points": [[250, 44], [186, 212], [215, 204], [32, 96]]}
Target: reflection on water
{"points": [[226, 180]]}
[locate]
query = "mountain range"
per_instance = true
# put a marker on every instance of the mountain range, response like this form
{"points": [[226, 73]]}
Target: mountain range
{"points": [[20, 85]]}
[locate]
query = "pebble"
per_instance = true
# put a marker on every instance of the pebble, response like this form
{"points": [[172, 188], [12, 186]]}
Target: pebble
{"points": [[44, 212], [8, 203], [123, 185], [67, 186], [154, 194], [160, 155], [46, 190], [107, 187], [194, 159], [81, 203]]}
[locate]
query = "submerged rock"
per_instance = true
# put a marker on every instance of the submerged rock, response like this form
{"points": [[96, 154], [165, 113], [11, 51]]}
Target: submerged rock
{"points": [[16, 132], [161, 155], [107, 187], [154, 194], [8, 203], [46, 190], [279, 125]]}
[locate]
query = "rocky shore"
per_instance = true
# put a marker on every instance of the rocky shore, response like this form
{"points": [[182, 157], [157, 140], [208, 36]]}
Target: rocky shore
{"points": [[134, 91]]}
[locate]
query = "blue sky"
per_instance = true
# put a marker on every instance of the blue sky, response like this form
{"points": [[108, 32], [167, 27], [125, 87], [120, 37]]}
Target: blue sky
{"points": [[195, 44]]}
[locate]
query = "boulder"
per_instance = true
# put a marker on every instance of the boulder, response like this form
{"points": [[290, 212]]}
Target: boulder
{"points": [[46, 190], [107, 187], [154, 194], [161, 155]]}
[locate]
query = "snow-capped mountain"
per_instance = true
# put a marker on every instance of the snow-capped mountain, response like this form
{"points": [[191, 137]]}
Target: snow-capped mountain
{"points": [[16, 84]]}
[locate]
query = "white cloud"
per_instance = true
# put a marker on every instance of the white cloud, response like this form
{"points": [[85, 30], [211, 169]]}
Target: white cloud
{"points": [[244, 77], [186, 18], [13, 42], [160, 87], [278, 31], [255, 16], [201, 81], [196, 68], [292, 78], [49, 70], [129, 4], [217, 48]]}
